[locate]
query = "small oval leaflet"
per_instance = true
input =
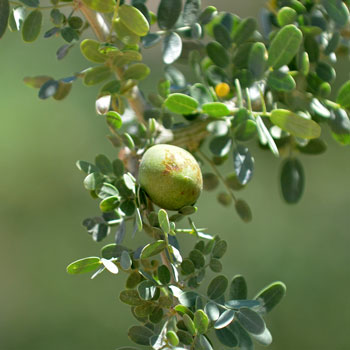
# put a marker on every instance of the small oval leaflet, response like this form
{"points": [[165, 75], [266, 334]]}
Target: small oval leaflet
{"points": [[217, 287], [32, 26], [243, 163], [137, 71], [226, 337], [216, 109], [133, 19], [343, 97], [212, 311], [181, 104], [201, 321], [172, 48], [100, 5], [153, 249], [125, 260], [243, 210], [147, 290], [251, 321], [294, 124], [110, 266], [84, 265], [96, 75], [163, 220], [168, 13], [130, 297], [271, 296], [90, 50], [280, 81], [218, 54], [48, 89], [225, 319], [4, 15], [238, 288], [140, 335], [292, 180]]}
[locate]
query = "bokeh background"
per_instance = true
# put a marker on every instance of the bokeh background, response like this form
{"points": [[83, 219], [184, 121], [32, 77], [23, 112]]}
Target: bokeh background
{"points": [[43, 203]]}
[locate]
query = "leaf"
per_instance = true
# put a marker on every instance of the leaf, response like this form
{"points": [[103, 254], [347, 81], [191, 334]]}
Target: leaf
{"points": [[292, 180], [32, 26], [226, 337], [189, 324], [343, 97], [219, 249], [264, 338], [243, 163], [201, 321], [112, 251], [280, 81], [181, 104], [133, 19], [150, 40], [140, 335], [63, 51], [187, 267], [168, 13], [172, 47], [109, 204], [197, 258], [191, 11], [153, 249], [96, 75], [30, 3], [245, 341], [103, 164], [218, 54], [221, 145], [100, 5], [315, 146], [243, 210], [110, 266], [340, 126], [244, 30], [137, 71], [114, 120], [163, 220], [217, 287], [86, 167], [188, 299], [215, 265], [147, 290], [48, 89], [130, 297], [215, 109], [222, 35], [295, 124], [225, 319], [4, 16], [62, 91], [124, 33], [125, 260], [84, 265], [163, 274], [238, 288], [251, 321], [212, 311], [238, 304], [265, 136], [284, 46], [271, 295], [90, 50], [337, 11], [257, 60]]}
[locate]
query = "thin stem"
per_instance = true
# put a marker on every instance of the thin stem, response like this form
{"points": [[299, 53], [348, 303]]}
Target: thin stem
{"points": [[217, 173], [115, 14]]}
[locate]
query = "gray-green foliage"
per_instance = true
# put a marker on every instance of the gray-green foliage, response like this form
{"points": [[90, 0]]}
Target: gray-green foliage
{"points": [[272, 87]]}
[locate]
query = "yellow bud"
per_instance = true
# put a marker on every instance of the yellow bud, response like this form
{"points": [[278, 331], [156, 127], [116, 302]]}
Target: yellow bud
{"points": [[222, 89]]}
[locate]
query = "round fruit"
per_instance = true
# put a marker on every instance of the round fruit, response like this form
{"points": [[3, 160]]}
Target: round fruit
{"points": [[170, 176]]}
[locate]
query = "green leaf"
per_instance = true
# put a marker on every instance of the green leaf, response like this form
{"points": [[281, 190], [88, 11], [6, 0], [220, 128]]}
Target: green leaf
{"points": [[265, 136], [191, 11], [137, 71], [153, 249], [125, 34], [226, 337], [238, 288], [197, 258], [48, 89], [62, 91], [225, 319], [295, 124], [284, 46], [219, 249], [251, 321], [92, 181], [151, 40], [315, 146], [244, 30], [172, 47], [215, 109], [125, 260], [140, 335], [222, 35], [264, 338], [292, 180], [221, 145], [280, 81], [217, 287], [212, 311], [90, 50], [201, 321], [114, 120], [138, 219], [163, 274], [215, 265], [257, 60], [30, 3], [100, 5], [172, 338], [337, 11], [32, 26], [103, 164], [286, 15], [243, 210], [163, 221], [271, 295], [340, 126], [168, 13], [96, 75], [343, 97], [107, 190], [86, 167], [326, 72], [133, 19], [187, 267], [4, 15], [218, 54], [112, 251], [243, 163], [181, 310], [181, 104], [36, 82], [147, 290], [109, 204], [238, 304], [16, 18], [84, 265], [210, 181], [189, 324], [188, 299], [130, 297]]}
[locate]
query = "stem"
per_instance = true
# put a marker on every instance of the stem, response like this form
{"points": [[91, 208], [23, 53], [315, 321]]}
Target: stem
{"points": [[217, 173]]}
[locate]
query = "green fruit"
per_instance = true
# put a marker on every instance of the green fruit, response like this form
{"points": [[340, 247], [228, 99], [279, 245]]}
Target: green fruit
{"points": [[170, 176]]}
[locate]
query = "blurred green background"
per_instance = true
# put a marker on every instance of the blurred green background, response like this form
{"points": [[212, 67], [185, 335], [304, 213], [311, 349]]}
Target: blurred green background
{"points": [[43, 204]]}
